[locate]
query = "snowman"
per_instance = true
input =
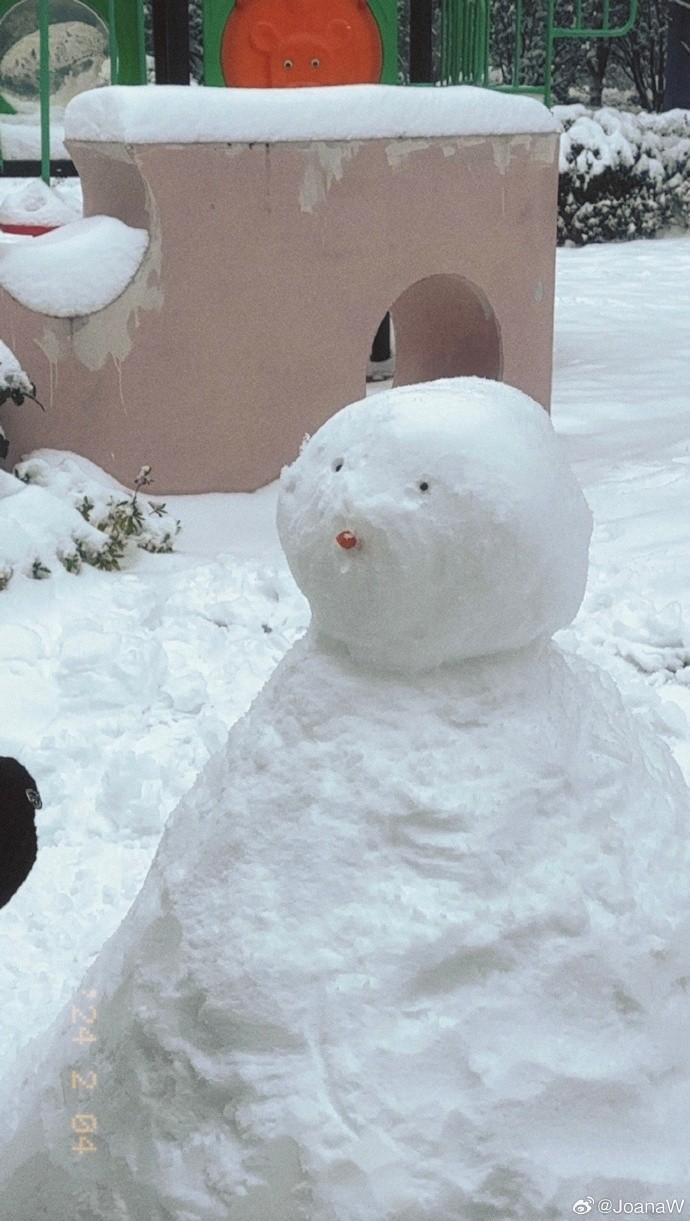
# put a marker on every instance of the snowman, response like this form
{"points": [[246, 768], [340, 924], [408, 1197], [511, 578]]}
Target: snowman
{"points": [[414, 946]]}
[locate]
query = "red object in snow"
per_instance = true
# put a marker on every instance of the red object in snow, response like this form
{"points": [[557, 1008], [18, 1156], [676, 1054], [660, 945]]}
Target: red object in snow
{"points": [[291, 43], [347, 540], [27, 230]]}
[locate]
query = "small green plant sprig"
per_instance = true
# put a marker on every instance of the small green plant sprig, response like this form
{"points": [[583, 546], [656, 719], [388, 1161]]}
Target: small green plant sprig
{"points": [[123, 521]]}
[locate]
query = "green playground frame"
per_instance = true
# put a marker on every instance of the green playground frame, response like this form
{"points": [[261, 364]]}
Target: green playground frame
{"points": [[125, 22], [465, 38], [465, 42]]}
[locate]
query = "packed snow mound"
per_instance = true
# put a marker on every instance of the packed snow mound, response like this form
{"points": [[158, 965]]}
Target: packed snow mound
{"points": [[471, 531], [137, 114], [77, 269], [35, 203], [413, 947], [38, 533]]}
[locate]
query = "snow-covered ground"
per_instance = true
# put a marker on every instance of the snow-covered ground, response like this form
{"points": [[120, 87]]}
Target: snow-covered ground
{"points": [[114, 688]]}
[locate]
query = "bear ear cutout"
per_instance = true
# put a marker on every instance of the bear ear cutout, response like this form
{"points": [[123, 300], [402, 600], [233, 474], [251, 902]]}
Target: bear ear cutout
{"points": [[264, 36], [338, 33]]}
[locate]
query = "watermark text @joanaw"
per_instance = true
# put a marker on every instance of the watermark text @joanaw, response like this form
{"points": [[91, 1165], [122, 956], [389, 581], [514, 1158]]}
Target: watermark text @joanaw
{"points": [[627, 1208]]}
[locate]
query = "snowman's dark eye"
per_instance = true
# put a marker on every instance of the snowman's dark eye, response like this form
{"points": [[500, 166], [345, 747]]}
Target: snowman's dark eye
{"points": [[338, 464], [423, 486]]}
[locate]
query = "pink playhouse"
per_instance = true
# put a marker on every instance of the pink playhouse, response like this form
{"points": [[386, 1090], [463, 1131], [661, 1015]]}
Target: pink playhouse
{"points": [[248, 244]]}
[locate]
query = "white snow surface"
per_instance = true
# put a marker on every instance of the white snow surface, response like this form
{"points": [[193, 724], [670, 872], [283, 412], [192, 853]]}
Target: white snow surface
{"points": [[20, 138], [457, 487], [35, 524], [75, 270], [67, 190], [116, 688], [140, 114], [410, 948], [36, 203]]}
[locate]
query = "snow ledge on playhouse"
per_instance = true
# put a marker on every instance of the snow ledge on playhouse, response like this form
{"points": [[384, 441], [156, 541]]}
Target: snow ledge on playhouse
{"points": [[174, 114], [54, 273]]}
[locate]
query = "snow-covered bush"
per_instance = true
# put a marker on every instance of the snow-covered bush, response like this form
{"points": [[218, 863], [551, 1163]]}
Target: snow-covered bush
{"points": [[71, 512], [122, 519], [622, 175], [60, 511]]}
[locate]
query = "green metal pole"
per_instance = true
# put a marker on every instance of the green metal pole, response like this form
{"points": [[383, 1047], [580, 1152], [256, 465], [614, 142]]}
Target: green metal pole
{"points": [[141, 35], [517, 58], [112, 33], [600, 31], [548, 66], [44, 84], [207, 25], [449, 38]]}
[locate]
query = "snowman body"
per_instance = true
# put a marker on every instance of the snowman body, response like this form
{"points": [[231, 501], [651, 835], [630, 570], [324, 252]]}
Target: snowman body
{"points": [[448, 952], [413, 946]]}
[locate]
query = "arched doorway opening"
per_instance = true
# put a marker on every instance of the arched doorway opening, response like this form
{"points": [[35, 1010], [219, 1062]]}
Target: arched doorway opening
{"points": [[443, 326]]}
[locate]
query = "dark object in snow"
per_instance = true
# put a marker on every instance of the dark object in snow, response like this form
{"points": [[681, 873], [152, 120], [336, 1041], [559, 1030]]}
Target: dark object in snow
{"points": [[19, 799], [677, 95]]}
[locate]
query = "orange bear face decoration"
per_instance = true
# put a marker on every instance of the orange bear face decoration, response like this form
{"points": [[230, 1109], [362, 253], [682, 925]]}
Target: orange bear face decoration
{"points": [[288, 43], [302, 59]]}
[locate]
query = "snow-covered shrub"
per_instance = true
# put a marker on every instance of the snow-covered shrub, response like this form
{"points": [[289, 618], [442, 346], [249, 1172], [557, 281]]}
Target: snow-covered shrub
{"points": [[71, 511], [59, 510], [15, 387], [38, 533], [622, 175], [124, 518]]}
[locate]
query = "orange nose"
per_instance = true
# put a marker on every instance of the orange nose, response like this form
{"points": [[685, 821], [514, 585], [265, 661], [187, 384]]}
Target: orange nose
{"points": [[347, 540]]}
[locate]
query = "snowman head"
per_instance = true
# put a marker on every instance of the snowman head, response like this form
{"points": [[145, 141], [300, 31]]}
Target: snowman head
{"points": [[436, 522]]}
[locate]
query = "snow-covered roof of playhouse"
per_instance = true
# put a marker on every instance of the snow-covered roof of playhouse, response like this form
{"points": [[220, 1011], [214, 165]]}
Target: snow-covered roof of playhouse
{"points": [[177, 114]]}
